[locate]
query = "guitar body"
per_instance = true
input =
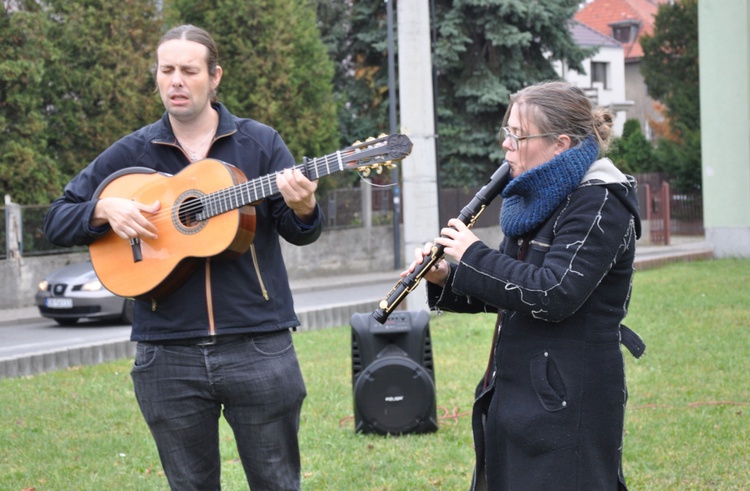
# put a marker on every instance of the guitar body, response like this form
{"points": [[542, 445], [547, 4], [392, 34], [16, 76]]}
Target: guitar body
{"points": [[168, 260]]}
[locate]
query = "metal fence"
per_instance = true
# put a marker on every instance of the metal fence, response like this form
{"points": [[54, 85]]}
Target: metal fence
{"points": [[32, 242], [343, 208], [683, 212], [3, 234]]}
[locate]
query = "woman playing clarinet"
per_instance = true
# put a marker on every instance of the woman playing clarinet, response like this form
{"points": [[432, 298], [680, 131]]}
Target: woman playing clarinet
{"points": [[549, 411]]}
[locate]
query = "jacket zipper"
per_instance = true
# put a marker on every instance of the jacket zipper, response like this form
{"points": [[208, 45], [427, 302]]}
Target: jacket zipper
{"points": [[210, 300], [540, 243], [257, 271]]}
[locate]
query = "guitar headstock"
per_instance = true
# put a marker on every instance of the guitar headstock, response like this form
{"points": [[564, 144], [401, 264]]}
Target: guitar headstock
{"points": [[377, 153]]}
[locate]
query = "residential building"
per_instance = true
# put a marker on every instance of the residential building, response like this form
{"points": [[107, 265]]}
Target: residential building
{"points": [[627, 21], [604, 77]]}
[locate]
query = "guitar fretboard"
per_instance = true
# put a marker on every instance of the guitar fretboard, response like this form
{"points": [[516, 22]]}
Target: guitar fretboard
{"points": [[262, 187]]}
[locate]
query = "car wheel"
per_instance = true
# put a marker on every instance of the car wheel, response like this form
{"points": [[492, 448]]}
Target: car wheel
{"points": [[66, 321], [127, 311]]}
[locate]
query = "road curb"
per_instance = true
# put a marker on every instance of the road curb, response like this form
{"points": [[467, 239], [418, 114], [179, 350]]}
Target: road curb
{"points": [[334, 315], [658, 261], [93, 354]]}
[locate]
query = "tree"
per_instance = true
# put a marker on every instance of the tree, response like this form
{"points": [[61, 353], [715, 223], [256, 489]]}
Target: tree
{"points": [[670, 62], [482, 52], [670, 67], [27, 172], [74, 78], [681, 160], [355, 34], [276, 68], [98, 87], [363, 71], [485, 51], [632, 152]]}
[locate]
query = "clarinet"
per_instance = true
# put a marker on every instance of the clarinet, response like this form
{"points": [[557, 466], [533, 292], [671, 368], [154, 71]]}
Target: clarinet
{"points": [[468, 216]]}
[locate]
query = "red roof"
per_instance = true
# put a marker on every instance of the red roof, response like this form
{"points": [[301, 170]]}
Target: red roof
{"points": [[600, 14]]}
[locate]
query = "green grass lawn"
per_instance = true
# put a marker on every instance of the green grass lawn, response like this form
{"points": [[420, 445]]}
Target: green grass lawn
{"points": [[687, 424]]}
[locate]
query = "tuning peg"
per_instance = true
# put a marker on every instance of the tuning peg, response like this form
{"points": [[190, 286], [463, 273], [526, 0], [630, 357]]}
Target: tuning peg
{"points": [[365, 172], [370, 138], [379, 169]]}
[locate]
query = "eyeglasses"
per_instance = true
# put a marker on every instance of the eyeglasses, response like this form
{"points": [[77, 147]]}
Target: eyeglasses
{"points": [[514, 139]]}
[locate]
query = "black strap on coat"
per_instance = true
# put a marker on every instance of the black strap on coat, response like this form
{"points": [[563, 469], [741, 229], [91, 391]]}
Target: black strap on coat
{"points": [[632, 341]]}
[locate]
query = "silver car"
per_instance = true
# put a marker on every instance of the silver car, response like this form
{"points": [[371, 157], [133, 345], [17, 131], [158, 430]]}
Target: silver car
{"points": [[74, 292]]}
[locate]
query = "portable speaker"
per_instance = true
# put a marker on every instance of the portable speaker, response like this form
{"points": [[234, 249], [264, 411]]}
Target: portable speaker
{"points": [[393, 377]]}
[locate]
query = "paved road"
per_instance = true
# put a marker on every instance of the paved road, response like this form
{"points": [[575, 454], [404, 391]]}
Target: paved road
{"points": [[42, 335], [30, 344], [316, 301]]}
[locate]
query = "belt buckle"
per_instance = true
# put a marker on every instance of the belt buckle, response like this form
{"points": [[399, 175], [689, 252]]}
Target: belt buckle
{"points": [[209, 341]]}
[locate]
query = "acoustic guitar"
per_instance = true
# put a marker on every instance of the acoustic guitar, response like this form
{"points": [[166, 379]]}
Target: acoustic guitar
{"points": [[206, 211]]}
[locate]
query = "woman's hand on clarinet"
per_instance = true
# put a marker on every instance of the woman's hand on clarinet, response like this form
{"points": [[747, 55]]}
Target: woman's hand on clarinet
{"points": [[455, 239], [439, 271]]}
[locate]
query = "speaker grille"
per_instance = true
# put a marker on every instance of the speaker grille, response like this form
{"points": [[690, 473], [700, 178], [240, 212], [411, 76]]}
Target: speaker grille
{"points": [[356, 357], [395, 395], [427, 361]]}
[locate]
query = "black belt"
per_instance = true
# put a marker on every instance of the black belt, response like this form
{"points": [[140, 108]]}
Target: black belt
{"points": [[202, 341]]}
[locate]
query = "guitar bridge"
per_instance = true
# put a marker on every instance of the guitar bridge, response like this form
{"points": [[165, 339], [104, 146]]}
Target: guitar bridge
{"points": [[135, 246]]}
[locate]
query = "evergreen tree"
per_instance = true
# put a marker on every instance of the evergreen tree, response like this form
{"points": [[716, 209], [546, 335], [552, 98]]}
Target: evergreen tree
{"points": [[356, 36], [482, 52], [27, 173], [361, 53], [276, 68], [632, 152], [486, 50], [99, 87], [681, 160], [670, 62]]}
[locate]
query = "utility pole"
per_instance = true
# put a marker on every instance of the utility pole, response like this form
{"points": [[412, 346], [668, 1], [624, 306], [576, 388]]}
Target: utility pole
{"points": [[419, 170], [393, 129]]}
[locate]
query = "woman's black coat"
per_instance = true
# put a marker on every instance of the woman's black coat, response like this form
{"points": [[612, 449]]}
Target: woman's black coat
{"points": [[549, 414]]}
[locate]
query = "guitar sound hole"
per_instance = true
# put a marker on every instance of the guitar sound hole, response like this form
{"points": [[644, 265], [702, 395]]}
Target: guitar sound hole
{"points": [[189, 210]]}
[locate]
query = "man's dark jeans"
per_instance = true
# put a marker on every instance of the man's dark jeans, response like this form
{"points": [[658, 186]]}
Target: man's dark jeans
{"points": [[256, 380]]}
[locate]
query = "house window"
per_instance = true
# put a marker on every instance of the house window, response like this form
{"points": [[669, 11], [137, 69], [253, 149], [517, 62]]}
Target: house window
{"points": [[623, 34], [625, 31], [599, 73]]}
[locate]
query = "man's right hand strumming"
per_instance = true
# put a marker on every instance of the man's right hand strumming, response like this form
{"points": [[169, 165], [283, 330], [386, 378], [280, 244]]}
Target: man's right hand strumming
{"points": [[126, 217]]}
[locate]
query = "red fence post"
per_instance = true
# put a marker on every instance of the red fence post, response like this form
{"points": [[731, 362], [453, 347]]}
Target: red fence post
{"points": [[649, 211], [666, 199]]}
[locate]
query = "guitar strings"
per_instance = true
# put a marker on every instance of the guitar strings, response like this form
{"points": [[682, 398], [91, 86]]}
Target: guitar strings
{"points": [[232, 193], [216, 198]]}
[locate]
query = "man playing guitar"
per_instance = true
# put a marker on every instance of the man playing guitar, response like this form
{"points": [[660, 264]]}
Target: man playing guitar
{"points": [[219, 339]]}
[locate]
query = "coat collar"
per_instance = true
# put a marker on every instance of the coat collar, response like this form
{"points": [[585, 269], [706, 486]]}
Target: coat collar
{"points": [[163, 133]]}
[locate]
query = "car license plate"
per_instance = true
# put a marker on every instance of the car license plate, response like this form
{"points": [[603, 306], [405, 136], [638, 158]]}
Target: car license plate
{"points": [[59, 303]]}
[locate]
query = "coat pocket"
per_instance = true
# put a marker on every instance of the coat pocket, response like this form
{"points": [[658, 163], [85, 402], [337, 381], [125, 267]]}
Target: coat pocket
{"points": [[547, 382]]}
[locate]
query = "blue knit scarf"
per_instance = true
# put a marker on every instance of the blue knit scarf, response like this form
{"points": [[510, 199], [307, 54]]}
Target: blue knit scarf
{"points": [[529, 199]]}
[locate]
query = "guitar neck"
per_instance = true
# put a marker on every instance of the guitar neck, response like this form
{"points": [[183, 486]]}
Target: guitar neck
{"points": [[262, 187]]}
